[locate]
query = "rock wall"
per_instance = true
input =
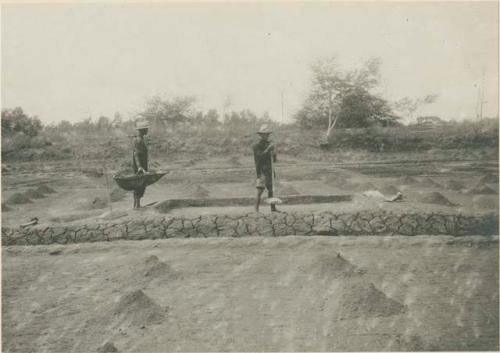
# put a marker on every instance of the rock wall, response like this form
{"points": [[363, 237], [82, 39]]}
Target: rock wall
{"points": [[255, 224]]}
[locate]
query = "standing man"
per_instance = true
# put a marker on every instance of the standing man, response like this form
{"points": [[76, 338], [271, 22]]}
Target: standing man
{"points": [[263, 151], [140, 158]]}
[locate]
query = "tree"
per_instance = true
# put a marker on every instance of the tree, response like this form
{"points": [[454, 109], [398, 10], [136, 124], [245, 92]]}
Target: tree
{"points": [[64, 126], [103, 123], [331, 85], [15, 121], [211, 118], [175, 110], [117, 120], [409, 106], [360, 109]]}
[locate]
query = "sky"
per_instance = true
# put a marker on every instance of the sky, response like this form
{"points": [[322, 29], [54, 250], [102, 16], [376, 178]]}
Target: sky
{"points": [[72, 61]]}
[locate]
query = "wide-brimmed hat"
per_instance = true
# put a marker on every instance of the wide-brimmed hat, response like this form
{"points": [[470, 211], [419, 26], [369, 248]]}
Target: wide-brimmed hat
{"points": [[264, 129], [141, 124]]}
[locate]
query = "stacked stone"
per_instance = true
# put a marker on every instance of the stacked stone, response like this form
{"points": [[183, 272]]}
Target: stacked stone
{"points": [[256, 224]]}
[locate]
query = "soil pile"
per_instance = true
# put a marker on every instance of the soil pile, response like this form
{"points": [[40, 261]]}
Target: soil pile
{"points": [[361, 300], [485, 202], [108, 347], [334, 180], [482, 189], [489, 179], [158, 269], [198, 191], [5, 208], [429, 183], [338, 177], [93, 173], [288, 189], [18, 199], [43, 188], [117, 194], [97, 204], [34, 194], [408, 180], [365, 186], [454, 185], [388, 190], [435, 198], [138, 309], [335, 266]]}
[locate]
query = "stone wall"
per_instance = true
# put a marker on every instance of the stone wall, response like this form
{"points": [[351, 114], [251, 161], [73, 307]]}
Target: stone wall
{"points": [[255, 224]]}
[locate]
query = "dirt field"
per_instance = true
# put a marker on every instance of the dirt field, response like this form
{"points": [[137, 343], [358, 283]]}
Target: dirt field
{"points": [[77, 192], [253, 294]]}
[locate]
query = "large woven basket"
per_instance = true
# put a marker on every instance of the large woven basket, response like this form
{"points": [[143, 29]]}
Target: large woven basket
{"points": [[136, 181]]}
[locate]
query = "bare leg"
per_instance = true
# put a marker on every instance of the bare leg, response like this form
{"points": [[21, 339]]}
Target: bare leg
{"points": [[257, 203], [270, 194]]}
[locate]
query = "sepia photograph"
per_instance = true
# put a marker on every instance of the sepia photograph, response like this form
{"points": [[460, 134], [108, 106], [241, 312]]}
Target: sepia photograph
{"points": [[258, 176]]}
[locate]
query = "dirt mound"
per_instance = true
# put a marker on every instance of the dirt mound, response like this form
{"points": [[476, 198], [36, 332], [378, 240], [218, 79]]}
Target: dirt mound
{"points": [[108, 347], [18, 199], [407, 180], [485, 202], [117, 194], [482, 189], [365, 186], [34, 194], [198, 191], [97, 204], [335, 266], [335, 180], [428, 182], [5, 208], [489, 179], [361, 300], [93, 173], [337, 177], [158, 269], [454, 185], [288, 189], [138, 309], [43, 188], [388, 190], [435, 198]]}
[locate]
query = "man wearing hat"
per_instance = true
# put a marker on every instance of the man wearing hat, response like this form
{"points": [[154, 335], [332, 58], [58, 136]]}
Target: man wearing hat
{"points": [[263, 151], [140, 158]]}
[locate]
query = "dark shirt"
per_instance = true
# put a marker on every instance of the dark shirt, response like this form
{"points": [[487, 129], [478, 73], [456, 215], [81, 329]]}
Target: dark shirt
{"points": [[263, 159], [140, 155]]}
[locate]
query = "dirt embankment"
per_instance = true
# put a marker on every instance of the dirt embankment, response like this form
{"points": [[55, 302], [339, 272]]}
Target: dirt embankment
{"points": [[156, 226]]}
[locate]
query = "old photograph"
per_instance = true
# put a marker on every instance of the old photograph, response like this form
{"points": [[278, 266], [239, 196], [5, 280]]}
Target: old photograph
{"points": [[249, 176]]}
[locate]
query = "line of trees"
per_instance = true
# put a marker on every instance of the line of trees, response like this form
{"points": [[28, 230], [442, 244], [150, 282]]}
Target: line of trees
{"points": [[338, 98]]}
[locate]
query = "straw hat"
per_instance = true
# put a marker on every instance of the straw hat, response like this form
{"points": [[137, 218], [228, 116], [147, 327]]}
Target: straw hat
{"points": [[264, 129], [141, 124]]}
